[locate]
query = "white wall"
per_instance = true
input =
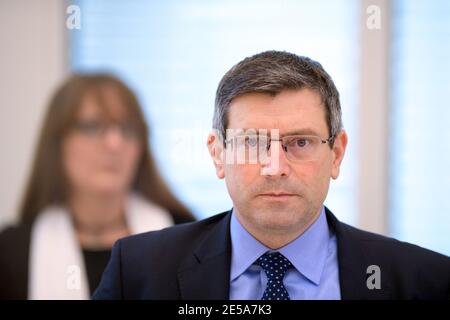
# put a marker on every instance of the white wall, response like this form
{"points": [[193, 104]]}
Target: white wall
{"points": [[374, 119], [33, 61]]}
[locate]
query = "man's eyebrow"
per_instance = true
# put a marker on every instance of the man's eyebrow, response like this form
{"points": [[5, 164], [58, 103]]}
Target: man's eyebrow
{"points": [[304, 131]]}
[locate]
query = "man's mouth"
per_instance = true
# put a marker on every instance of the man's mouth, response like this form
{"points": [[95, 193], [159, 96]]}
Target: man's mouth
{"points": [[277, 195]]}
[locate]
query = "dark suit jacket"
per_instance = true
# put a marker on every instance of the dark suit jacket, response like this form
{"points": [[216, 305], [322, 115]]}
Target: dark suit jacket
{"points": [[192, 261]]}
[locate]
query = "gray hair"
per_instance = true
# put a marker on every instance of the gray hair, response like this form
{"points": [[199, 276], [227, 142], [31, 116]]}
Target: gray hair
{"points": [[271, 72]]}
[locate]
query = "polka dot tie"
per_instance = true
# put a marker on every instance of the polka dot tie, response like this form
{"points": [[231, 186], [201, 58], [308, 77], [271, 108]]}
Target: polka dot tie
{"points": [[275, 265]]}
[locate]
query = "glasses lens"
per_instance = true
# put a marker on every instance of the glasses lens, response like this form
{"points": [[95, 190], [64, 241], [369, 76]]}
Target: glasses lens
{"points": [[95, 128], [254, 149], [90, 127], [302, 148]]}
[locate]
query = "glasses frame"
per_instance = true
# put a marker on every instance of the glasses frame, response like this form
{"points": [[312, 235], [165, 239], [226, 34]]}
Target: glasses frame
{"points": [[94, 129], [282, 140]]}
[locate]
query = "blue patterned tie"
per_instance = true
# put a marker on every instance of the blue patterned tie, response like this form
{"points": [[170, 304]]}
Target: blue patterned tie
{"points": [[275, 265]]}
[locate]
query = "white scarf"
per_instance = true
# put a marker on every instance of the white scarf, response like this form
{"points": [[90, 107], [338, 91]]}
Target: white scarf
{"points": [[56, 265]]}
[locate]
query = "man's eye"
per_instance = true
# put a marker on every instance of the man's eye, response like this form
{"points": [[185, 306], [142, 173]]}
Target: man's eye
{"points": [[251, 141], [302, 142]]}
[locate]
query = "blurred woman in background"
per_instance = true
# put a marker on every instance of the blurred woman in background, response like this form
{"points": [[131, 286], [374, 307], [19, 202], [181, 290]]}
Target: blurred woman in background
{"points": [[93, 181]]}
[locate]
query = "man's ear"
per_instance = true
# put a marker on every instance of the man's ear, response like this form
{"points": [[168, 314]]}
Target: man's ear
{"points": [[339, 146], [216, 151]]}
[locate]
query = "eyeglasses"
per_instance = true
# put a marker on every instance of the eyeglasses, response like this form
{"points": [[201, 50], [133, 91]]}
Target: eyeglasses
{"points": [[296, 147], [97, 129]]}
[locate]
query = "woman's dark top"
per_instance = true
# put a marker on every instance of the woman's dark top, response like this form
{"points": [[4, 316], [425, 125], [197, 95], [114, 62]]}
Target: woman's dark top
{"points": [[14, 254], [95, 262]]}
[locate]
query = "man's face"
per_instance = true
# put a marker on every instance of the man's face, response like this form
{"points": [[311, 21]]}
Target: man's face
{"points": [[280, 195]]}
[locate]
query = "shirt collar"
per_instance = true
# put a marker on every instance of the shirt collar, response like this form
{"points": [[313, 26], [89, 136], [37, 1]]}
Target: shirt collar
{"points": [[307, 253]]}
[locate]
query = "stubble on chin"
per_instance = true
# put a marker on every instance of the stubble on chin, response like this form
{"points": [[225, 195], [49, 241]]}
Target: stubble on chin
{"points": [[277, 219]]}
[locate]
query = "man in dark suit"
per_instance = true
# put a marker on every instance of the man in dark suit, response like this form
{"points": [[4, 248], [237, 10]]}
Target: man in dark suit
{"points": [[278, 140]]}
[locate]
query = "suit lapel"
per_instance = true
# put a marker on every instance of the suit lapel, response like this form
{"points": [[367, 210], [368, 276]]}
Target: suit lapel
{"points": [[353, 264], [205, 273]]}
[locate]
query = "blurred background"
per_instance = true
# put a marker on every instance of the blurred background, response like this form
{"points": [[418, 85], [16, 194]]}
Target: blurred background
{"points": [[390, 61]]}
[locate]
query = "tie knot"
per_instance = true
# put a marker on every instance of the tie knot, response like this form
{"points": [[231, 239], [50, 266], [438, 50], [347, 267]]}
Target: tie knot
{"points": [[274, 264]]}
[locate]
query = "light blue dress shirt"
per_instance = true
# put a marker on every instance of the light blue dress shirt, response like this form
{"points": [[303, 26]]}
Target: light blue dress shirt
{"points": [[313, 254]]}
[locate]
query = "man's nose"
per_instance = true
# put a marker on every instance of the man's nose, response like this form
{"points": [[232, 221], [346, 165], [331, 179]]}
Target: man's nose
{"points": [[277, 164]]}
